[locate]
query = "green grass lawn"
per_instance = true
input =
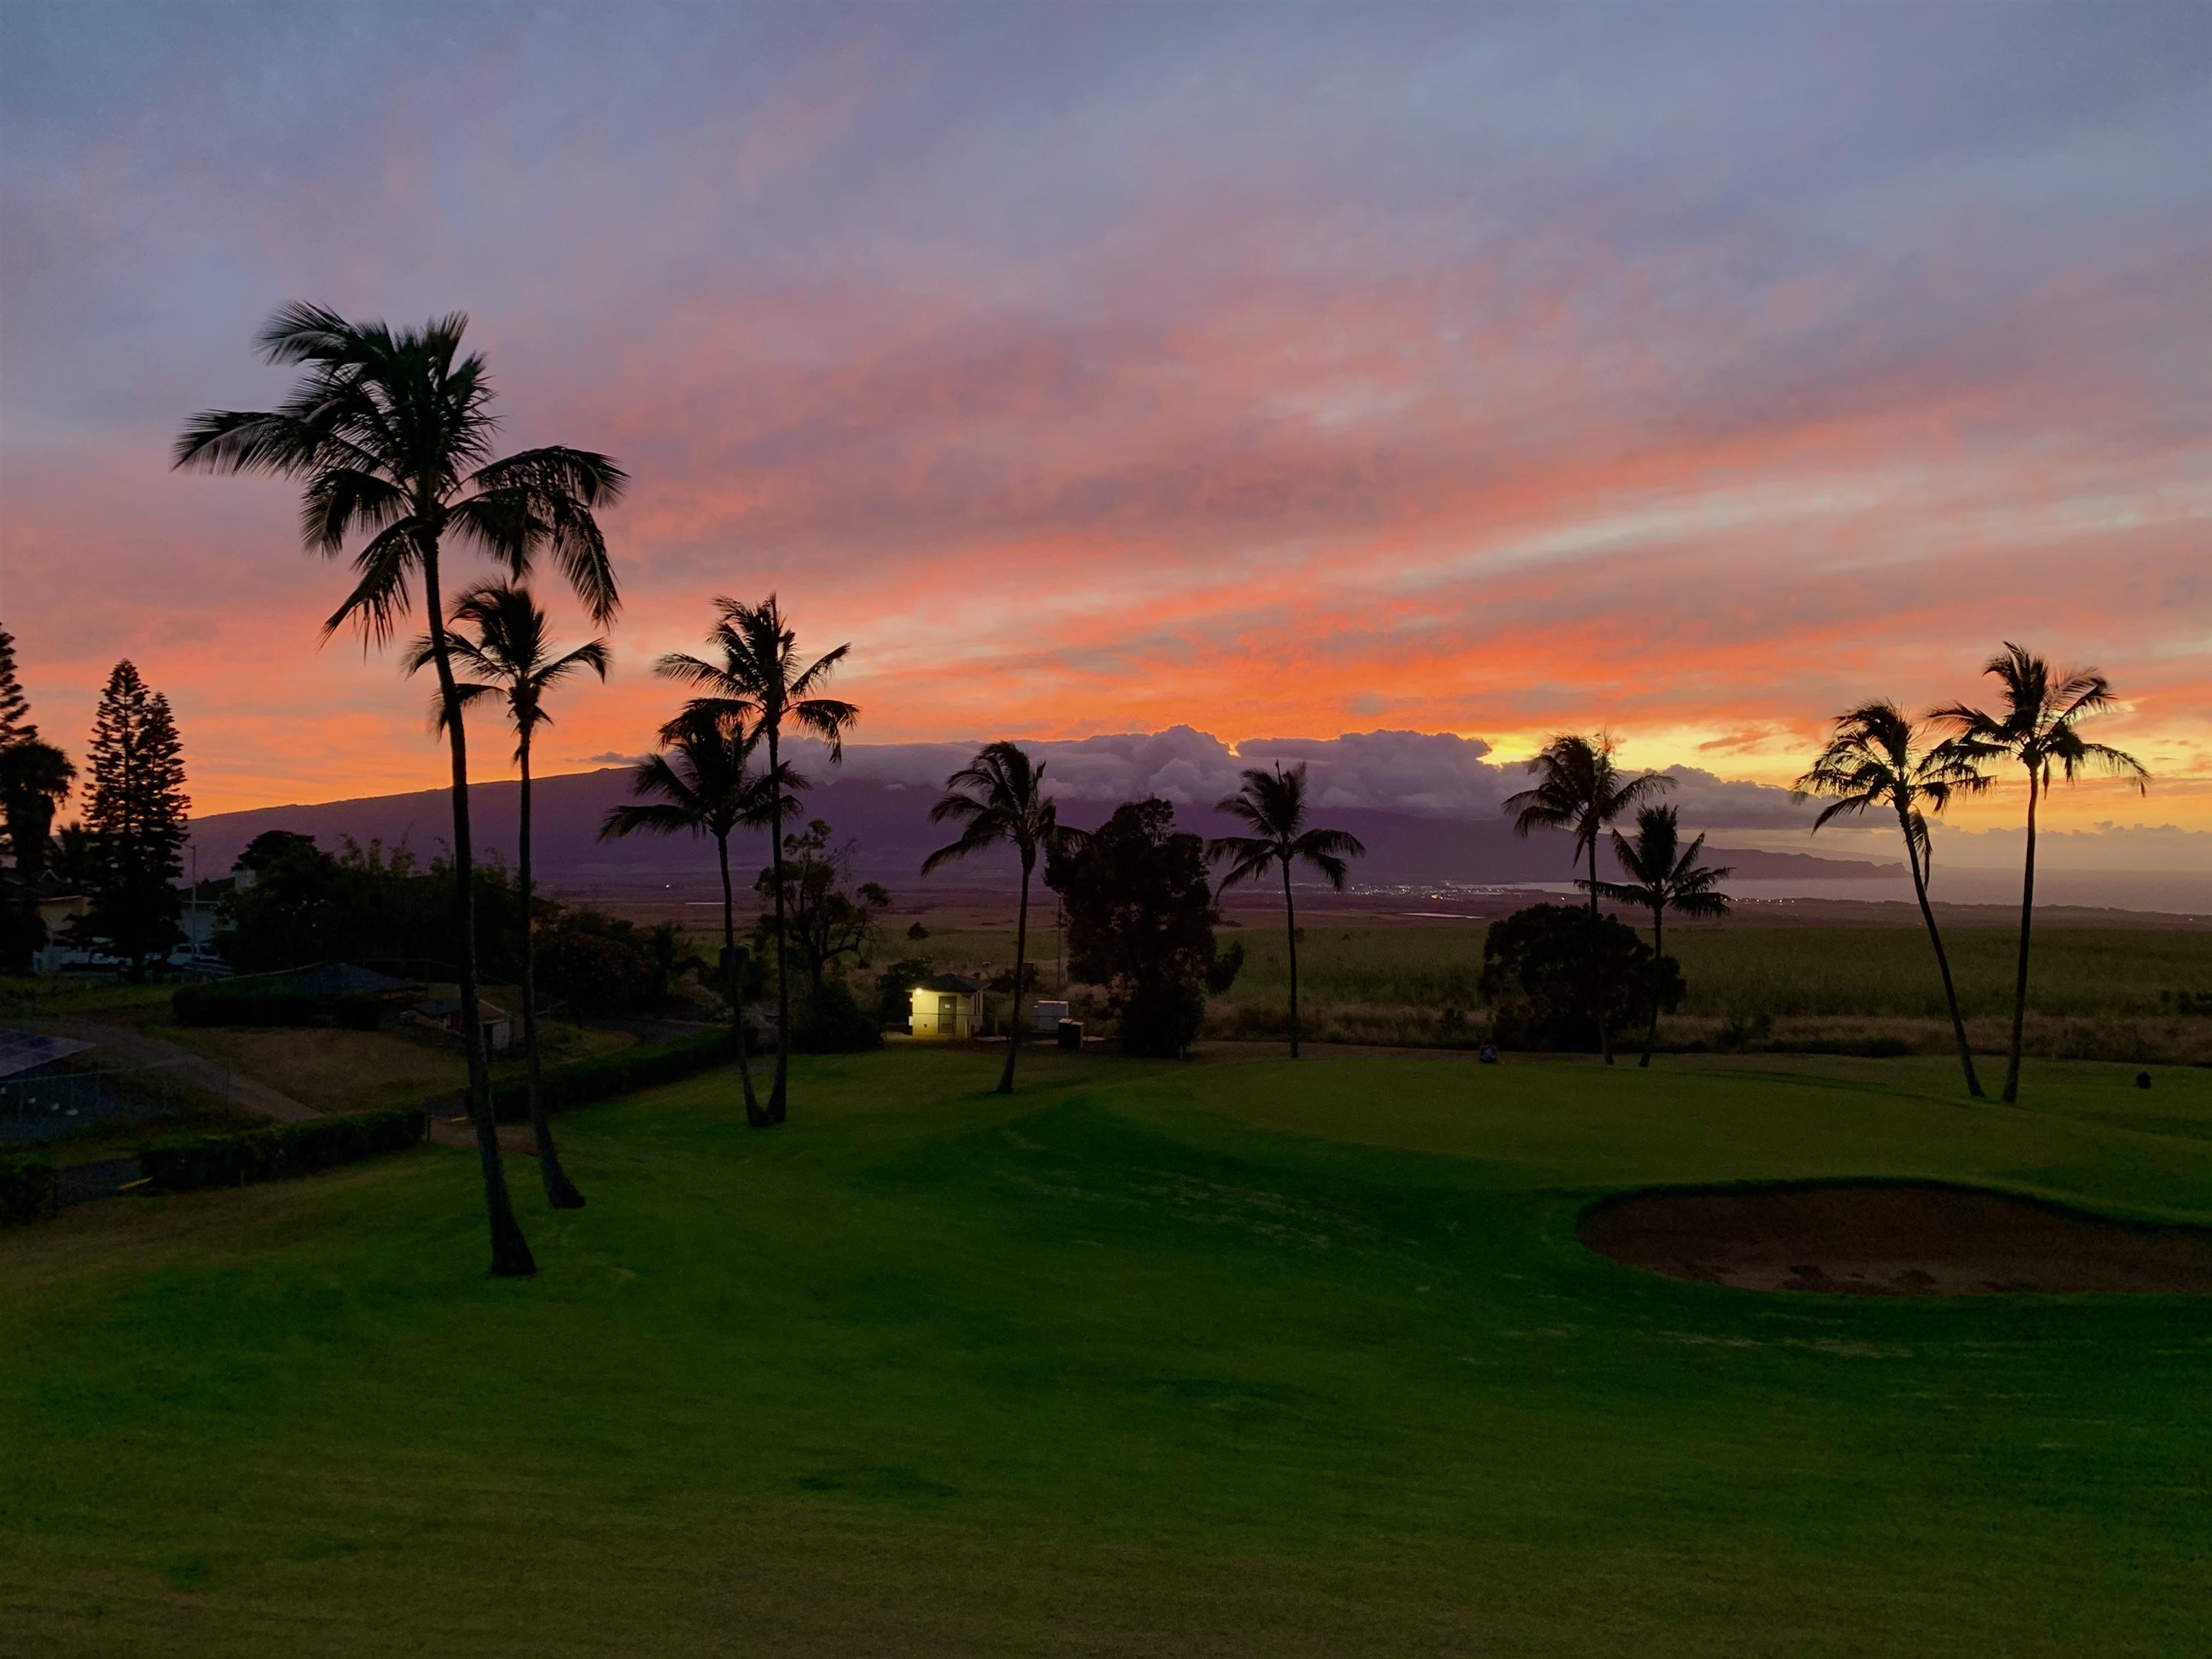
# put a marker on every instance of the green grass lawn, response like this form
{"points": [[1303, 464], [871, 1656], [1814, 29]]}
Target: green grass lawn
{"points": [[1239, 1357]]}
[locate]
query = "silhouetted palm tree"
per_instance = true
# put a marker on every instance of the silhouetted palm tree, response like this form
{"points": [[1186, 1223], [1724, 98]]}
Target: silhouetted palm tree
{"points": [[2037, 729], [509, 651], [1580, 789], [34, 781], [1273, 803], [759, 680], [1876, 760], [705, 784], [1663, 875], [390, 432], [998, 797]]}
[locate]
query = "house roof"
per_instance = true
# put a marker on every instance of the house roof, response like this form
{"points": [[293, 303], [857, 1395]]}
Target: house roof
{"points": [[948, 982], [449, 1008], [343, 979]]}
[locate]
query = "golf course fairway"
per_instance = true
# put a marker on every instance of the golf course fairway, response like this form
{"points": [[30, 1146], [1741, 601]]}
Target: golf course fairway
{"points": [[1242, 1358]]}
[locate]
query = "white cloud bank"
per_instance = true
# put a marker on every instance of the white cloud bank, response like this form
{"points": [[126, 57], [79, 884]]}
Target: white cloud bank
{"points": [[1419, 773]]}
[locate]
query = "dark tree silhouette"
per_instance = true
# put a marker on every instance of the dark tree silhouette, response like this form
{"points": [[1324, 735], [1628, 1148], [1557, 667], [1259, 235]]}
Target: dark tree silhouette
{"points": [[759, 679], [1274, 803], [135, 808], [2037, 729], [389, 432], [1579, 789], [15, 725], [704, 784], [1876, 761], [1663, 875], [500, 637], [998, 799]]}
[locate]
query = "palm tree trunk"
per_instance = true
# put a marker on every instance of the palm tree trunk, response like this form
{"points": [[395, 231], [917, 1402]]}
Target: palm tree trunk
{"points": [[510, 1251], [732, 982], [1597, 973], [1942, 960], [2026, 919], [778, 1104], [1291, 921], [1021, 956], [1658, 950], [560, 1192]]}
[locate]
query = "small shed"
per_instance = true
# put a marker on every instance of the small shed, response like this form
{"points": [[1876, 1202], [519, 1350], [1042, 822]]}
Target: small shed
{"points": [[945, 1006], [445, 1013]]}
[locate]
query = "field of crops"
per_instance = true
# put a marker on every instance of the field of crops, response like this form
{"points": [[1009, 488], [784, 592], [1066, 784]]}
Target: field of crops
{"points": [[2096, 993]]}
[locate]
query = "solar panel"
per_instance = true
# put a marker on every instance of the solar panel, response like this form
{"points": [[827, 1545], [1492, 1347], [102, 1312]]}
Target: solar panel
{"points": [[22, 1051]]}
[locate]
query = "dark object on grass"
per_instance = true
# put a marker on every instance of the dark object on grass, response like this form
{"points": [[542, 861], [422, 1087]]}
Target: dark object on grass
{"points": [[280, 1150], [28, 1187], [2142, 1079], [1070, 1036], [1489, 1055], [262, 1004]]}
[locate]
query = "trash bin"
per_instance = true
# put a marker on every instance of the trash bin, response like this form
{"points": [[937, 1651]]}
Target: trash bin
{"points": [[1070, 1035]]}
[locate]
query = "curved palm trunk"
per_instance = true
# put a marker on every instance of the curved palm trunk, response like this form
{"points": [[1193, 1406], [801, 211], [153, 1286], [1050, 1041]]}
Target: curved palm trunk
{"points": [[510, 1251], [778, 1094], [1291, 921], [1021, 956], [1943, 961], [560, 1192], [2026, 919], [732, 982], [1597, 973], [1658, 950]]}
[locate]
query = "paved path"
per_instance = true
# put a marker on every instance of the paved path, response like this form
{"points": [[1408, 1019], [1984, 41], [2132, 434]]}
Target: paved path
{"points": [[121, 1046]]}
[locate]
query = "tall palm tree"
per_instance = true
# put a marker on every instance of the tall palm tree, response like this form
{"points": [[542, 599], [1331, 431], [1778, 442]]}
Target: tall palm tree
{"points": [[1663, 875], [998, 797], [1876, 760], [514, 661], [2042, 707], [390, 431], [704, 784], [34, 781], [759, 680], [1274, 803], [1579, 789]]}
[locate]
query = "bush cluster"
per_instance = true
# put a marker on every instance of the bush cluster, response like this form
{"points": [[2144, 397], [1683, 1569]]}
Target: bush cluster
{"points": [[604, 1076], [280, 1150], [27, 1189], [217, 1004]]}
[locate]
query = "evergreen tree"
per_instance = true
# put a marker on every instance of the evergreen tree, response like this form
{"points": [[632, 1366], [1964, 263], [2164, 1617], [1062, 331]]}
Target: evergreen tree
{"points": [[136, 809], [14, 708]]}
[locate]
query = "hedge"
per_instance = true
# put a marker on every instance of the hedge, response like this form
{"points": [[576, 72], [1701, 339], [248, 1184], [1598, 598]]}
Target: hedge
{"points": [[605, 1076], [27, 1189], [215, 1005], [280, 1150]]}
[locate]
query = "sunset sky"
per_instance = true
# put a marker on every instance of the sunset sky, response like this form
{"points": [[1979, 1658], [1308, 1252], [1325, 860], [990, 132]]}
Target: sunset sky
{"points": [[1274, 371]]}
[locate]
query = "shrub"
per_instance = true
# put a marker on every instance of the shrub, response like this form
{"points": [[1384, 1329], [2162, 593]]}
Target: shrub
{"points": [[218, 1004], [832, 1021], [280, 1150], [605, 1076], [27, 1189], [1548, 970]]}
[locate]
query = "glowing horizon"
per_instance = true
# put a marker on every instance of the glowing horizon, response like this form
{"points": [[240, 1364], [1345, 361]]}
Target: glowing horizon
{"points": [[1682, 374]]}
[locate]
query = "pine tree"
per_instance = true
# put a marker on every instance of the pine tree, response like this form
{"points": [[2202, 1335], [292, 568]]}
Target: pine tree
{"points": [[15, 707], [136, 810]]}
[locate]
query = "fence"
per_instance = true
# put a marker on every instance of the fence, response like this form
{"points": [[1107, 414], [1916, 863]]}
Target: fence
{"points": [[61, 1100]]}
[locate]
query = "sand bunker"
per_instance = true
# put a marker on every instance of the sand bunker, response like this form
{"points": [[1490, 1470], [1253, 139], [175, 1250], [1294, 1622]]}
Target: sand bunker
{"points": [[1879, 1239]]}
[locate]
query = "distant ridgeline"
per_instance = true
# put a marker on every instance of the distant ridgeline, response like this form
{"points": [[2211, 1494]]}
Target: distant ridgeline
{"points": [[890, 828]]}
